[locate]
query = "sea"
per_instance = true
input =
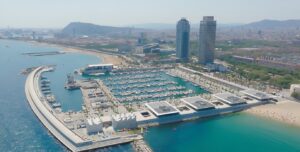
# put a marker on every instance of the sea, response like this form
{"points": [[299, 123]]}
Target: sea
{"points": [[21, 131]]}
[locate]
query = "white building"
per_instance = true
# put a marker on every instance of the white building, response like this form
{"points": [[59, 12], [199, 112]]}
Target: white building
{"points": [[295, 88], [96, 69], [93, 125], [258, 95], [124, 121]]}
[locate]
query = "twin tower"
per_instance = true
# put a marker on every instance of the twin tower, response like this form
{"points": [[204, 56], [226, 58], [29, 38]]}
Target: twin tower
{"points": [[207, 38]]}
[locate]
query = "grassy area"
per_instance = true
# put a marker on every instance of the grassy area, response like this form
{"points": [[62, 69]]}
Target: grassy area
{"points": [[281, 78], [194, 47], [229, 45], [226, 45], [135, 131]]}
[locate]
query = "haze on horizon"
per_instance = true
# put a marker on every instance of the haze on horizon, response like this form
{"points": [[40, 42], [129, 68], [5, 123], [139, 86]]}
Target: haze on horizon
{"points": [[58, 13]]}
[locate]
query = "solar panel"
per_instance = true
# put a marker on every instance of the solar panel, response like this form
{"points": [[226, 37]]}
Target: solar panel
{"points": [[161, 108], [262, 95], [256, 94], [230, 98], [198, 103], [235, 99]]}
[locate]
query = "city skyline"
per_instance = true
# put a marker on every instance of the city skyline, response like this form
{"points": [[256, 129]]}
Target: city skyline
{"points": [[57, 14], [150, 76]]}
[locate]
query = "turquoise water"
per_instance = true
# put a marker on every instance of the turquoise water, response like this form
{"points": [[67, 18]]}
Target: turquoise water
{"points": [[110, 81], [237, 132], [20, 130]]}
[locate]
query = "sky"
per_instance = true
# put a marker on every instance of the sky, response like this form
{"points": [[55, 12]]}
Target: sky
{"points": [[58, 13]]}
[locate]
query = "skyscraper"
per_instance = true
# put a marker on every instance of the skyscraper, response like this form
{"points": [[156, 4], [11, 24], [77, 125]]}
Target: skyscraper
{"points": [[182, 39], [207, 38]]}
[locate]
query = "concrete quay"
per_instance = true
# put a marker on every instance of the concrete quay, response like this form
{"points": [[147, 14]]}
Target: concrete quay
{"points": [[193, 115], [77, 139], [56, 127], [216, 85], [141, 146]]}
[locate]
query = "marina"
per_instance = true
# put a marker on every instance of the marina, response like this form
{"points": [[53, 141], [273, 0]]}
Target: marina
{"points": [[152, 85], [198, 135], [109, 115], [28, 134], [60, 124]]}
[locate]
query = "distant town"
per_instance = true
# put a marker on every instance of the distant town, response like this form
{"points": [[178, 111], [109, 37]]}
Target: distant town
{"points": [[269, 44]]}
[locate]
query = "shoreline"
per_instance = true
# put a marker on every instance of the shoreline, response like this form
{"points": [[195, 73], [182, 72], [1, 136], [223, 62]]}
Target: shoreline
{"points": [[102, 56], [287, 112], [70, 139]]}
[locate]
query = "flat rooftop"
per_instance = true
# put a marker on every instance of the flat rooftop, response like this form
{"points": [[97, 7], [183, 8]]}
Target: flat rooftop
{"points": [[230, 98], [256, 94], [99, 65], [198, 103], [162, 108]]}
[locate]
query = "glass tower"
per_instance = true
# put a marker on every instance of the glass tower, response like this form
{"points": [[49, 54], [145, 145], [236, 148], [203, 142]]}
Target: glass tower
{"points": [[182, 39], [207, 38]]}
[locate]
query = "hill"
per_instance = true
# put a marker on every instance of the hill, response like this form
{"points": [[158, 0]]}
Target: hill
{"points": [[273, 25], [79, 29]]}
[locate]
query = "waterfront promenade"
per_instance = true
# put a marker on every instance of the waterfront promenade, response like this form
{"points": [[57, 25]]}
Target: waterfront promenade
{"points": [[57, 128], [77, 142]]}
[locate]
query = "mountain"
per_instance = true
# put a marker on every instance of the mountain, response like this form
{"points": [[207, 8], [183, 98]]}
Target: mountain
{"points": [[79, 29], [273, 25]]}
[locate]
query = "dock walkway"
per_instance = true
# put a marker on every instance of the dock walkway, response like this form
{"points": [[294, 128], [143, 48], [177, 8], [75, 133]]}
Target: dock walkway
{"points": [[141, 146], [57, 128]]}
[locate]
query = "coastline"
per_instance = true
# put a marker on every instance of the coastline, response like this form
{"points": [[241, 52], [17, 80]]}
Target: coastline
{"points": [[286, 111], [102, 56], [176, 130], [105, 58]]}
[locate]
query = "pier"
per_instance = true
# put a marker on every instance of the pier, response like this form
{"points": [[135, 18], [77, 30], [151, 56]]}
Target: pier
{"points": [[56, 127], [141, 146], [44, 53], [74, 139], [143, 85], [112, 112]]}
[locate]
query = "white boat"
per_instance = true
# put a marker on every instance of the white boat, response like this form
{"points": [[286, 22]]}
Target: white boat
{"points": [[56, 105]]}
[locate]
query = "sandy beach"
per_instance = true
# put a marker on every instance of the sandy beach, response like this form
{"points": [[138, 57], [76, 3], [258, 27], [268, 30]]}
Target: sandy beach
{"points": [[105, 58], [285, 111]]}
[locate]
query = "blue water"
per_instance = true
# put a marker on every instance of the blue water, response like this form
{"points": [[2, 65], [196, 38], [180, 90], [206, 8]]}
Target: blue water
{"points": [[20, 130], [66, 63]]}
